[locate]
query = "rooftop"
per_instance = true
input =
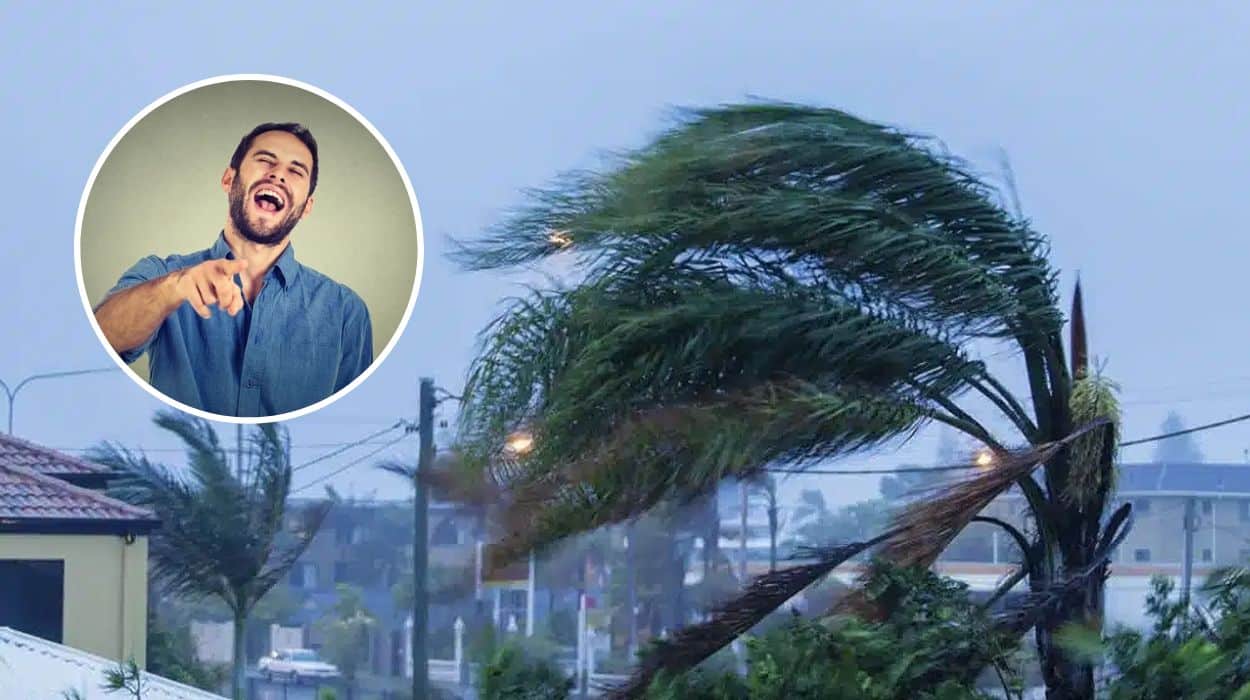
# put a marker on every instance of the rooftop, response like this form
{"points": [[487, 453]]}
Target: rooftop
{"points": [[35, 503], [1193, 478], [37, 668], [17, 452]]}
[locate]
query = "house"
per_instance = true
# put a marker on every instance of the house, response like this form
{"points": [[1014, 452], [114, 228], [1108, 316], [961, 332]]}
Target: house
{"points": [[73, 562], [1216, 495], [37, 668]]}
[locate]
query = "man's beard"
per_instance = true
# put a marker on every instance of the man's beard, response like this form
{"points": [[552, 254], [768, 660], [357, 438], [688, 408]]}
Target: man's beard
{"points": [[238, 215]]}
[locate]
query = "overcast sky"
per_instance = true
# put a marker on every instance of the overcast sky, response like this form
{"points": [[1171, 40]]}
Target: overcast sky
{"points": [[1128, 134]]}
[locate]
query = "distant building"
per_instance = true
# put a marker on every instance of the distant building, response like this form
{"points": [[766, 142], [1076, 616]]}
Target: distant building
{"points": [[73, 562], [1220, 494], [367, 544]]}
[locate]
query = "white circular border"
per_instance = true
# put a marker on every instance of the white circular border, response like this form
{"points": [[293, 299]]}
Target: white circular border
{"points": [[412, 199]]}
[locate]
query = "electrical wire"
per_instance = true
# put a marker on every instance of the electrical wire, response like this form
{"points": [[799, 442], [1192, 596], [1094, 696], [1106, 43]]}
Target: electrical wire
{"points": [[347, 446], [958, 467], [350, 464]]}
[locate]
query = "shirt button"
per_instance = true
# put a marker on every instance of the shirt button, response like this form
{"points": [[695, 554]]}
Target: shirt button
{"points": [[251, 383]]}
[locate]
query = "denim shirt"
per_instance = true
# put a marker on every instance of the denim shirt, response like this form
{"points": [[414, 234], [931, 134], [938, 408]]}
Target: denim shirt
{"points": [[303, 338]]}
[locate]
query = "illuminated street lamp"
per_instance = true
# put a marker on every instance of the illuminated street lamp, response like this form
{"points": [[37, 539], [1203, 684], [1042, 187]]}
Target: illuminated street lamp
{"points": [[984, 459], [520, 443]]}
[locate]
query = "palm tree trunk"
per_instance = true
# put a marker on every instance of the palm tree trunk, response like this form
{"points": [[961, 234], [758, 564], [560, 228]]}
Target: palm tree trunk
{"points": [[239, 686]]}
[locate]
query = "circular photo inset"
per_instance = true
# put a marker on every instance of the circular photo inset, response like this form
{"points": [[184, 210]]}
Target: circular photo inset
{"points": [[248, 248]]}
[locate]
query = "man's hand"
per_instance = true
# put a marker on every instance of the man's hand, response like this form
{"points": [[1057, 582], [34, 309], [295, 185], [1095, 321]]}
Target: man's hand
{"points": [[211, 282]]}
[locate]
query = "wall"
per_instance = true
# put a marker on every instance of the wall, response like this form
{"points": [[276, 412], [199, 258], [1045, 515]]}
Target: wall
{"points": [[106, 592]]}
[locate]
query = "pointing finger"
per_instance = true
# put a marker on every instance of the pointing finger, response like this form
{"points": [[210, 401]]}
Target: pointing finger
{"points": [[196, 303], [205, 288]]}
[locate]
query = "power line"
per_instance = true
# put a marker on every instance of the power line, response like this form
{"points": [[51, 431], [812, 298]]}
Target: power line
{"points": [[1207, 426], [306, 446], [347, 446], [958, 467], [350, 464]]}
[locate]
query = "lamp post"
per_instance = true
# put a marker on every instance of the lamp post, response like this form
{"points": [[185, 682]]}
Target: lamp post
{"points": [[517, 444], [11, 393]]}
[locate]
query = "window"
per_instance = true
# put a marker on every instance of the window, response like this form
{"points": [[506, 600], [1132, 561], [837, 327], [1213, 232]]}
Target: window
{"points": [[1206, 555], [1141, 506], [343, 533], [512, 609], [304, 575], [444, 534], [32, 596], [1206, 506], [1141, 555], [342, 572]]}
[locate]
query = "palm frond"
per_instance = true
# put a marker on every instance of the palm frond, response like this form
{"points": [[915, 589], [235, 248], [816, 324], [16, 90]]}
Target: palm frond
{"points": [[683, 451], [813, 189], [218, 536], [692, 645]]}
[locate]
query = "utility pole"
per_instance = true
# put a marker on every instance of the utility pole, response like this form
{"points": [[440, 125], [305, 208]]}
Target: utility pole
{"points": [[238, 451], [1190, 525], [420, 554]]}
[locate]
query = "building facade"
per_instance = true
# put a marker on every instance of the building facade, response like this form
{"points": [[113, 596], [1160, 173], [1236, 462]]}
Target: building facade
{"points": [[73, 562]]}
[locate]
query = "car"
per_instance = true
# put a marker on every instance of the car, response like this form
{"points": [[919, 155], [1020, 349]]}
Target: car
{"points": [[296, 665]]}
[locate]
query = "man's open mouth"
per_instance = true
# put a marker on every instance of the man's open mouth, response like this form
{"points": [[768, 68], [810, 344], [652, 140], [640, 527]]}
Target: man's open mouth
{"points": [[269, 199]]}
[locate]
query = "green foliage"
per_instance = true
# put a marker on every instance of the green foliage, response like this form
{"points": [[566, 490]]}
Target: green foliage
{"points": [[327, 694], [171, 654], [931, 628], [124, 678], [220, 536], [346, 631], [764, 283], [517, 672], [1185, 655], [816, 524]]}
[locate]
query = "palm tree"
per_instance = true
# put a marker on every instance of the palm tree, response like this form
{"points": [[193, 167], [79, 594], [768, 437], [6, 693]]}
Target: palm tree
{"points": [[222, 535], [766, 489], [771, 285]]}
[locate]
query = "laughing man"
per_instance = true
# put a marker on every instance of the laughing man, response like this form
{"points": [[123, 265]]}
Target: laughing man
{"points": [[242, 328]]}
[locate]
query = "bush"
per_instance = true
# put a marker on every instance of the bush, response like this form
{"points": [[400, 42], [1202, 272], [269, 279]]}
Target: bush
{"points": [[515, 672], [1186, 655], [930, 628]]}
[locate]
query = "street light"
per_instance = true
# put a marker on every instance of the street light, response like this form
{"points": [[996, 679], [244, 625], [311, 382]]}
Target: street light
{"points": [[985, 459], [12, 393], [520, 443]]}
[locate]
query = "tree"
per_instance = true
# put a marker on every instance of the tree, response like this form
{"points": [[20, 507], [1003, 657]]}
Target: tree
{"points": [[773, 284], [1182, 449], [221, 535], [766, 489], [347, 629]]}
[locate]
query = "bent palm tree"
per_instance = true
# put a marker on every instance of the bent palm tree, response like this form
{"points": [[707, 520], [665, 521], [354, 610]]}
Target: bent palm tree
{"points": [[220, 536], [774, 284]]}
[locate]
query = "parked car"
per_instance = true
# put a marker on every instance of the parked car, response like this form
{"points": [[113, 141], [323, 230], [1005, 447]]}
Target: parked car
{"points": [[295, 665]]}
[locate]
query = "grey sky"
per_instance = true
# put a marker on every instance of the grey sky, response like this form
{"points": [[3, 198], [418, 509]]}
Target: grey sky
{"points": [[1128, 134]]}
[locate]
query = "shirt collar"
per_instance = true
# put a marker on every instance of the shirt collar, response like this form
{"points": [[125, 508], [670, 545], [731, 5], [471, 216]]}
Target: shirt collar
{"points": [[286, 264]]}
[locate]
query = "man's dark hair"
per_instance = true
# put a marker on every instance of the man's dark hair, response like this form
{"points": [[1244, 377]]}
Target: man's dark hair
{"points": [[299, 131]]}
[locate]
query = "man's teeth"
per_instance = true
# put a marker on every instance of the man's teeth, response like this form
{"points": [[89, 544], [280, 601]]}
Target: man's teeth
{"points": [[272, 193]]}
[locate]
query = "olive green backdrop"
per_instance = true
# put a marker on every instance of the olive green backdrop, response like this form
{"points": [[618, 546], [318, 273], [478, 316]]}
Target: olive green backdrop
{"points": [[159, 193]]}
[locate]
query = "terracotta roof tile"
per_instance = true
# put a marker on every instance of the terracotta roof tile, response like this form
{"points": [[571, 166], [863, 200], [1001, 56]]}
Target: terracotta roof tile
{"points": [[28, 496], [17, 452]]}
